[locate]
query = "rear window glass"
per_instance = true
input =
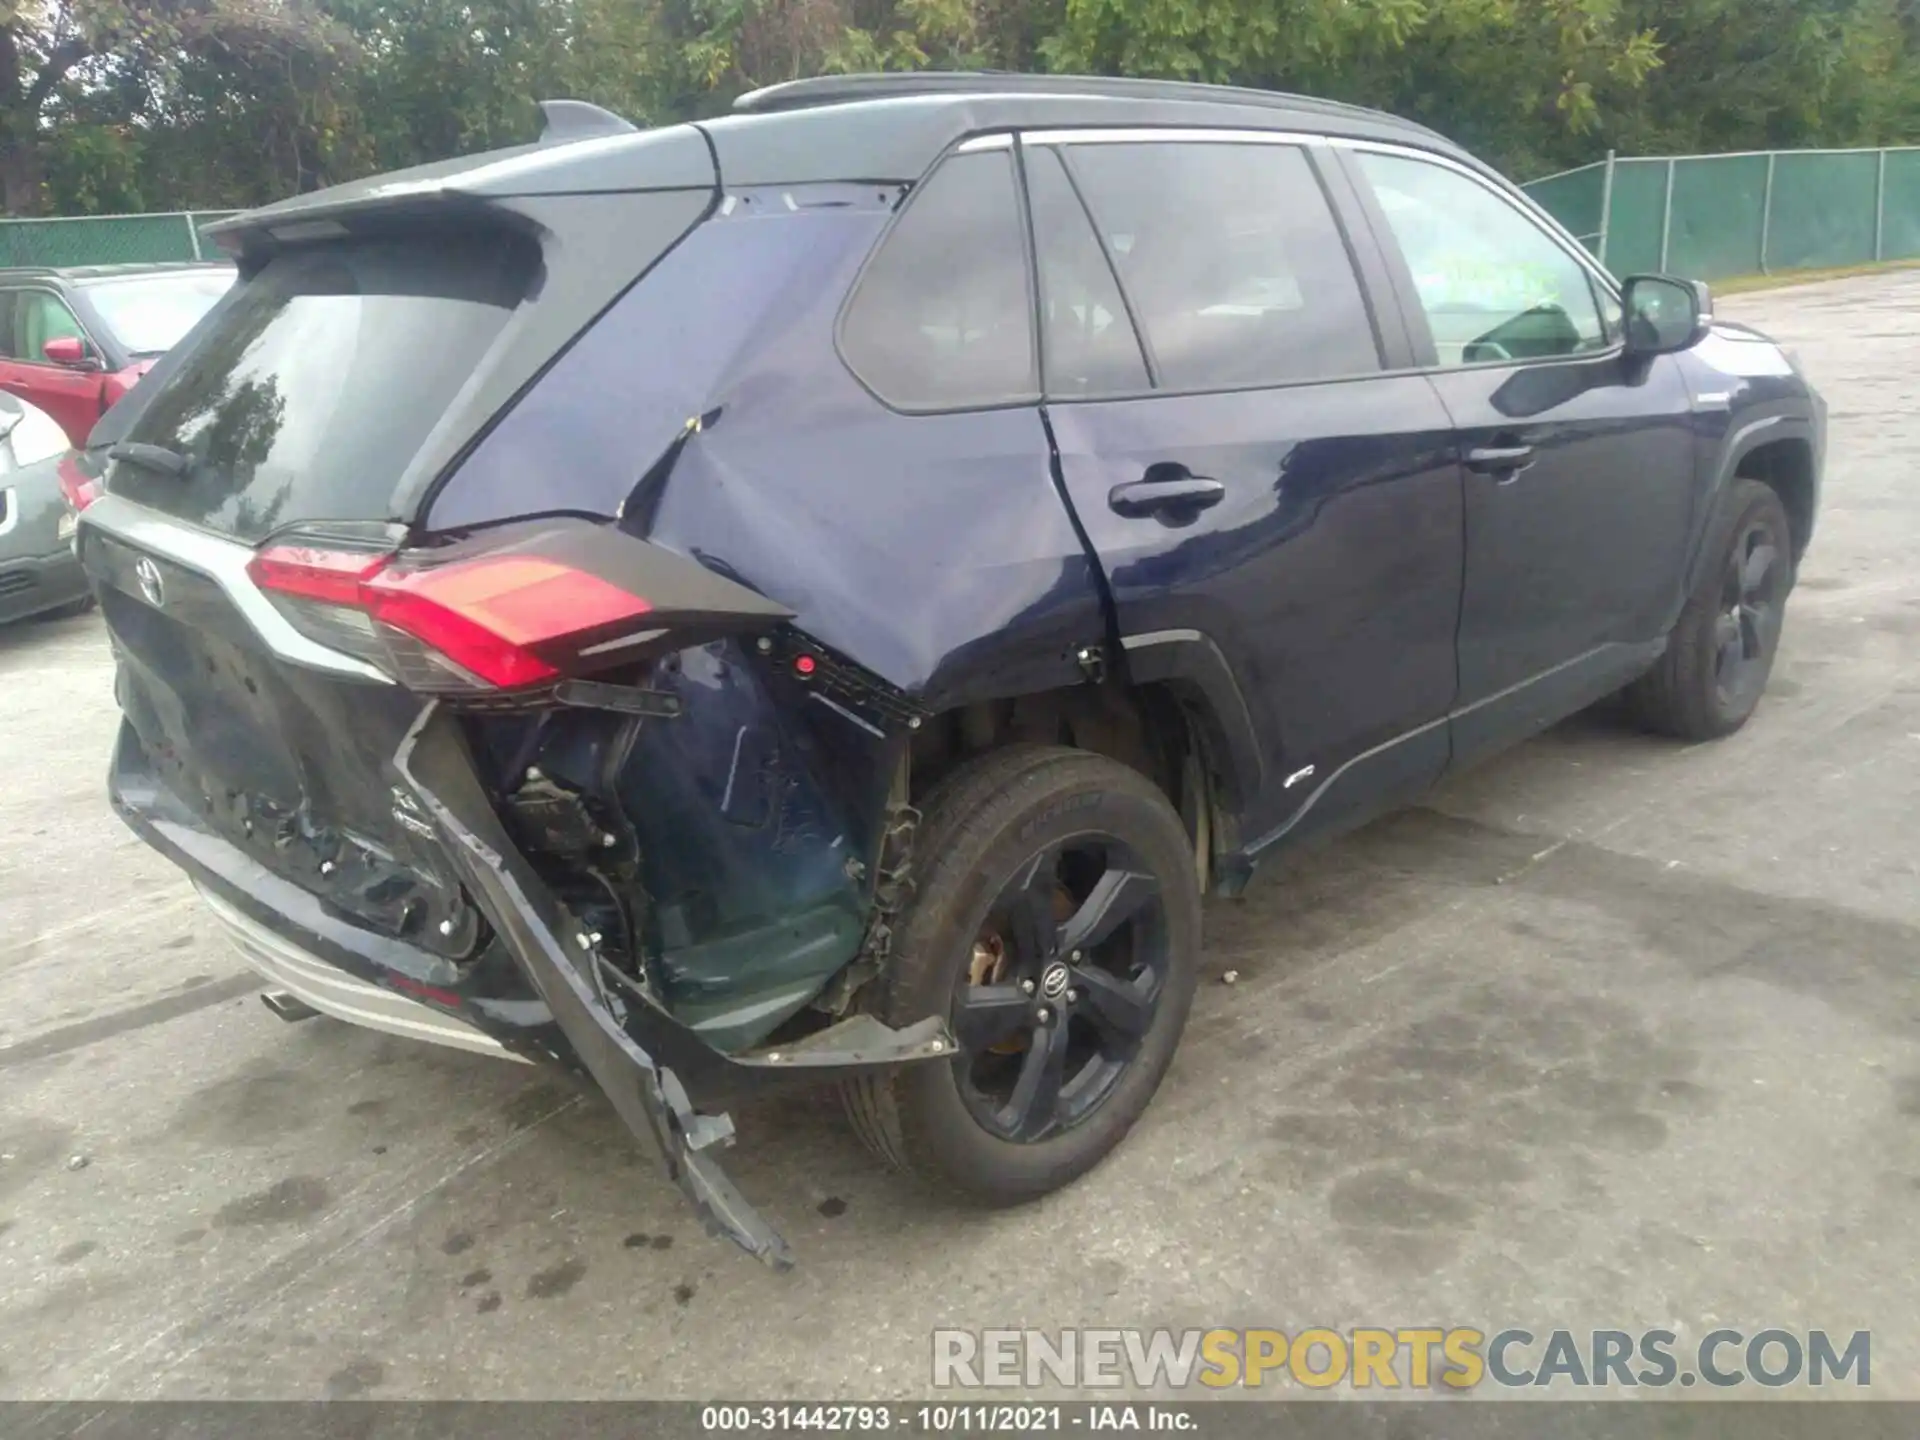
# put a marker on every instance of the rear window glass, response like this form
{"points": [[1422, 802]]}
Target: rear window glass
{"points": [[322, 376], [942, 319], [149, 315]]}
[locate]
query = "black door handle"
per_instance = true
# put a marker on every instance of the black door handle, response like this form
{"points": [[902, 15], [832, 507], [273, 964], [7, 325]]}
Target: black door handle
{"points": [[1166, 489], [1506, 460]]}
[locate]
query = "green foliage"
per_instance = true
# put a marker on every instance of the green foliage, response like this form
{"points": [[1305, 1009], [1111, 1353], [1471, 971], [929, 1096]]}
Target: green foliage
{"points": [[156, 104]]}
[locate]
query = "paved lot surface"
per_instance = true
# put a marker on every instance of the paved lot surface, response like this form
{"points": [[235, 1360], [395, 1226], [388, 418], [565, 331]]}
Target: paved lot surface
{"points": [[1610, 1033]]}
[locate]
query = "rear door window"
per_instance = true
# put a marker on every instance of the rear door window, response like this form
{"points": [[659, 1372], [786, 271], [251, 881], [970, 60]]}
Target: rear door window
{"points": [[318, 383], [1238, 273], [942, 318]]}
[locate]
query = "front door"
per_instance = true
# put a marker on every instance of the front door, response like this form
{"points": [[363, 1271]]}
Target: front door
{"points": [[1256, 487], [1578, 462]]}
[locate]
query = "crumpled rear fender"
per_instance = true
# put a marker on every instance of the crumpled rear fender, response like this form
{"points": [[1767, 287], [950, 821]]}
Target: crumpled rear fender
{"points": [[634, 1050]]}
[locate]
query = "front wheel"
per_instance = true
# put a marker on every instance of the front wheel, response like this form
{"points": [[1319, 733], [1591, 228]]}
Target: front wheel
{"points": [[1055, 923], [1721, 650]]}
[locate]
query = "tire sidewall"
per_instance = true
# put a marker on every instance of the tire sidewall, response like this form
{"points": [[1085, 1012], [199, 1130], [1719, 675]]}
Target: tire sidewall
{"points": [[1748, 502], [936, 942]]}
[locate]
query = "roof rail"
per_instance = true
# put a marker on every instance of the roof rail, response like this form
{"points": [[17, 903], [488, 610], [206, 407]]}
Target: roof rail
{"points": [[565, 120], [842, 89]]}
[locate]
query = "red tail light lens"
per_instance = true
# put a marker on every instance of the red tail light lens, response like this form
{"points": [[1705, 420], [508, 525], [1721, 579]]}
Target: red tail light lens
{"points": [[491, 621], [79, 488]]}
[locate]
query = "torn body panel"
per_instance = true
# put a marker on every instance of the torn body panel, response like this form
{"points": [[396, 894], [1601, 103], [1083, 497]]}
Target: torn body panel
{"points": [[626, 1041], [723, 854]]}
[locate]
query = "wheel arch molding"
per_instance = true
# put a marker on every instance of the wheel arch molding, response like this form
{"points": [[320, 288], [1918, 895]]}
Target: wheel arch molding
{"points": [[1192, 667], [1737, 455]]}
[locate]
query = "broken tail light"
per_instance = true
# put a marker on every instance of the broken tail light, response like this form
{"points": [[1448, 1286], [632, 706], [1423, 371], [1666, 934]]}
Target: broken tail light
{"points": [[508, 611]]}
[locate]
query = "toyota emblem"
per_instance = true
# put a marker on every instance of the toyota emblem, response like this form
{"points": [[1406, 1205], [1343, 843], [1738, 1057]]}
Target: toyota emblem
{"points": [[151, 585]]}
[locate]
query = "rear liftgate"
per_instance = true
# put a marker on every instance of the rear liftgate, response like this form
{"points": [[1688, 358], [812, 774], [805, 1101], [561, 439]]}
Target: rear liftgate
{"points": [[473, 626]]}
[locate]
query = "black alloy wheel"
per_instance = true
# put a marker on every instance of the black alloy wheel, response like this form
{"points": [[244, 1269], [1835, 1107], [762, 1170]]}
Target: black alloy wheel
{"points": [[1055, 924], [1064, 981], [1752, 591]]}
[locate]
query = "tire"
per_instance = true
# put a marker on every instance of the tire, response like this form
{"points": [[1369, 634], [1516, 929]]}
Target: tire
{"points": [[1697, 690], [986, 833]]}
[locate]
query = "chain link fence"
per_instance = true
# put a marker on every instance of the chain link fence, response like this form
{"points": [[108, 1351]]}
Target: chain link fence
{"points": [[110, 239], [1711, 216]]}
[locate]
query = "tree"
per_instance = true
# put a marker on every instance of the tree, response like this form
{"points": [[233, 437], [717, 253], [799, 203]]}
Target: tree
{"points": [[160, 104], [113, 54]]}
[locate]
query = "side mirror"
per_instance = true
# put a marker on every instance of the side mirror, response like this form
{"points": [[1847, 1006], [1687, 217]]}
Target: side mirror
{"points": [[69, 350], [1664, 314]]}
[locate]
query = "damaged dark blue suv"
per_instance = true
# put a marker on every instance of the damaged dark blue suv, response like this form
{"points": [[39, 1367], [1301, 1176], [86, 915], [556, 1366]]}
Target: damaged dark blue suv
{"points": [[819, 594]]}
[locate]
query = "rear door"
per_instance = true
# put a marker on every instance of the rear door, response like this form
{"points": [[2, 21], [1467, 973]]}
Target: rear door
{"points": [[1578, 463], [72, 395], [1266, 499]]}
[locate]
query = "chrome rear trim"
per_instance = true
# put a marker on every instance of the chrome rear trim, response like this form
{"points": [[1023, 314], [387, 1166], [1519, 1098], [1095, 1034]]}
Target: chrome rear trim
{"points": [[224, 562], [332, 991]]}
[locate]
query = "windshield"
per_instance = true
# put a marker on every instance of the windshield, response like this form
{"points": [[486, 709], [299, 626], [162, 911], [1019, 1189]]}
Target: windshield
{"points": [[148, 315]]}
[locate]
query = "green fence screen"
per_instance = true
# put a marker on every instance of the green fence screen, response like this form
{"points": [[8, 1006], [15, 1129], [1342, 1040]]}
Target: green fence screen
{"points": [[109, 239], [1707, 216], [1711, 216]]}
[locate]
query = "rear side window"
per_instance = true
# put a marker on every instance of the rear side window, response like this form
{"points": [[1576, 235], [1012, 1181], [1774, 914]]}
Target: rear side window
{"points": [[1237, 271], [318, 382], [941, 319], [1086, 337]]}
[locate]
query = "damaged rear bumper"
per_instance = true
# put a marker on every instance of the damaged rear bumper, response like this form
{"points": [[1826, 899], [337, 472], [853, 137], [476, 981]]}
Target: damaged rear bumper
{"points": [[573, 1007]]}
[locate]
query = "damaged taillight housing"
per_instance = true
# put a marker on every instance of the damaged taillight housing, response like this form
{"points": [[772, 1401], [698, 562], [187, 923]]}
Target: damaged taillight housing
{"points": [[512, 610]]}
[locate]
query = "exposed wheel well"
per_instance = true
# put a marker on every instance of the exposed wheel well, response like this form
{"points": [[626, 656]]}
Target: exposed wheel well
{"points": [[1786, 467], [1144, 727]]}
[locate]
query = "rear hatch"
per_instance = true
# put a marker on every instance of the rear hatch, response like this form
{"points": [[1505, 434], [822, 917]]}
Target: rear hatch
{"points": [[301, 408]]}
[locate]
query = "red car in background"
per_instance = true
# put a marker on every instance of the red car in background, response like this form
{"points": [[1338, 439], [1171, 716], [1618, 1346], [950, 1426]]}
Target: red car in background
{"points": [[73, 341]]}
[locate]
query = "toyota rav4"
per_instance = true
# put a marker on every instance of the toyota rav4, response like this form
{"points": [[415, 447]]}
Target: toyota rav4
{"points": [[819, 594]]}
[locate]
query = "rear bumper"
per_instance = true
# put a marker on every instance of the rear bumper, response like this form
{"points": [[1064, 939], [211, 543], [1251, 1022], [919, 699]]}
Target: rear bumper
{"points": [[33, 584], [333, 991], [537, 989]]}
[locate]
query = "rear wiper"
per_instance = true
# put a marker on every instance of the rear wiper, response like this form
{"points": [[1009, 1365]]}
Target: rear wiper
{"points": [[150, 457]]}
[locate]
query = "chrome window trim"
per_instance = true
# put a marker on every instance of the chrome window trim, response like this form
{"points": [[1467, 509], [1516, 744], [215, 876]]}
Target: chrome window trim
{"points": [[224, 562], [1160, 134]]}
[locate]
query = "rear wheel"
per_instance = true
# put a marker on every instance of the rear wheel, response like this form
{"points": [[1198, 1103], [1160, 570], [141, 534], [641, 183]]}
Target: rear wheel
{"points": [[1056, 925], [1721, 650]]}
